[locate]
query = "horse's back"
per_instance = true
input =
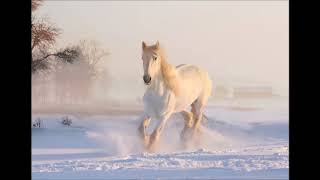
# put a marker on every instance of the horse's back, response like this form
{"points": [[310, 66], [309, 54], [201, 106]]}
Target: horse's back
{"points": [[186, 71], [180, 65]]}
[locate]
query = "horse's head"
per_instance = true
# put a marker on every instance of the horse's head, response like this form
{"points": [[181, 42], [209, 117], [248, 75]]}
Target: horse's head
{"points": [[151, 61]]}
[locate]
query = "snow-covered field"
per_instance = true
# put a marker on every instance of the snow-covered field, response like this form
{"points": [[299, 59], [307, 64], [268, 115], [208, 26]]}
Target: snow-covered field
{"points": [[235, 144]]}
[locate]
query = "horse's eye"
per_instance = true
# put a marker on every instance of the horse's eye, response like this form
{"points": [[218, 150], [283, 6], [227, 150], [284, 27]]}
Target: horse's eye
{"points": [[154, 58]]}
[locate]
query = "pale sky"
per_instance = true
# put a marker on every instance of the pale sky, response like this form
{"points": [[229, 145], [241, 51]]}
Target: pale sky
{"points": [[237, 42]]}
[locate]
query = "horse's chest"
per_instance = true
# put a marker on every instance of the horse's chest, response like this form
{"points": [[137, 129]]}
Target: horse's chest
{"points": [[155, 104]]}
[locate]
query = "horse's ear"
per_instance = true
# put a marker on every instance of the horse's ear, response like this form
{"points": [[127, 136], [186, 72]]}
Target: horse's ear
{"points": [[157, 45], [144, 45]]}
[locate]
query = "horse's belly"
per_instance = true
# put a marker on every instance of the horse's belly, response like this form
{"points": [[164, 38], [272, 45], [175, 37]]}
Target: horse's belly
{"points": [[190, 92], [184, 102]]}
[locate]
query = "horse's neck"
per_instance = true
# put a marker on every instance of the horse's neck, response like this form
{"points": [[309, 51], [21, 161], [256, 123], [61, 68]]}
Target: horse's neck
{"points": [[158, 84], [165, 80]]}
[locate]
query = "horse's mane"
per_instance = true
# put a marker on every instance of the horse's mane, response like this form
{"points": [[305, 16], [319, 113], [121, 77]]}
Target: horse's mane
{"points": [[169, 73]]}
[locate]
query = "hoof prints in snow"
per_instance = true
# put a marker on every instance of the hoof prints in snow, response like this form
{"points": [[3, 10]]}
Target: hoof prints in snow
{"points": [[165, 162]]}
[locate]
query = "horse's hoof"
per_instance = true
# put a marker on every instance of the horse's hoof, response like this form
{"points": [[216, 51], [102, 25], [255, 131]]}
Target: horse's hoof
{"points": [[153, 143], [190, 134], [146, 140], [197, 132], [186, 134], [151, 147]]}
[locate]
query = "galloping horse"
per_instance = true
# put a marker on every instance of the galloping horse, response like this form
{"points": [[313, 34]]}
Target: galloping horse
{"points": [[171, 90]]}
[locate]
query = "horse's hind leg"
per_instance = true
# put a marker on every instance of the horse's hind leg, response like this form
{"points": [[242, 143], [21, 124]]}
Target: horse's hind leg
{"points": [[193, 119], [188, 118], [197, 109], [199, 104]]}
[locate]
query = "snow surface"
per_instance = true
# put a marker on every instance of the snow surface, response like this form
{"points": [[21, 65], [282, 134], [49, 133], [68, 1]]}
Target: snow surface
{"points": [[235, 144]]}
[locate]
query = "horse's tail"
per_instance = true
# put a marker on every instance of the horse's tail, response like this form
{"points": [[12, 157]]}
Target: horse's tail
{"points": [[206, 119]]}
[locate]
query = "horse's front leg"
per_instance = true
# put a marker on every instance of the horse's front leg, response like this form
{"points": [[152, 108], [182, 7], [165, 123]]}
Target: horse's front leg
{"points": [[142, 129], [154, 137], [168, 107]]}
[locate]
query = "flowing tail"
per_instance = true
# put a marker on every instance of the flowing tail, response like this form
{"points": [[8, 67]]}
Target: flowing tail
{"points": [[205, 118]]}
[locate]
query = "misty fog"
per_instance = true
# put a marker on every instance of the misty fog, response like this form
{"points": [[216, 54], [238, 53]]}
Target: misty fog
{"points": [[243, 45]]}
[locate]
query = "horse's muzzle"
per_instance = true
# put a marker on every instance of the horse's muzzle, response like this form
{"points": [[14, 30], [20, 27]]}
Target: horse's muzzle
{"points": [[147, 79]]}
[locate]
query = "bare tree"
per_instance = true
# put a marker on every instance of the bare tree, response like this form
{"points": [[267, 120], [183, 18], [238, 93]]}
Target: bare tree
{"points": [[43, 33], [35, 4], [43, 37], [68, 73], [68, 55]]}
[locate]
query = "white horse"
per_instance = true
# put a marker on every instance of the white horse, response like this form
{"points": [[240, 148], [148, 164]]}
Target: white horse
{"points": [[171, 90]]}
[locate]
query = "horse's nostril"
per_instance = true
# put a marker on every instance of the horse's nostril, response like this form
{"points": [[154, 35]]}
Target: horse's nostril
{"points": [[146, 78]]}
